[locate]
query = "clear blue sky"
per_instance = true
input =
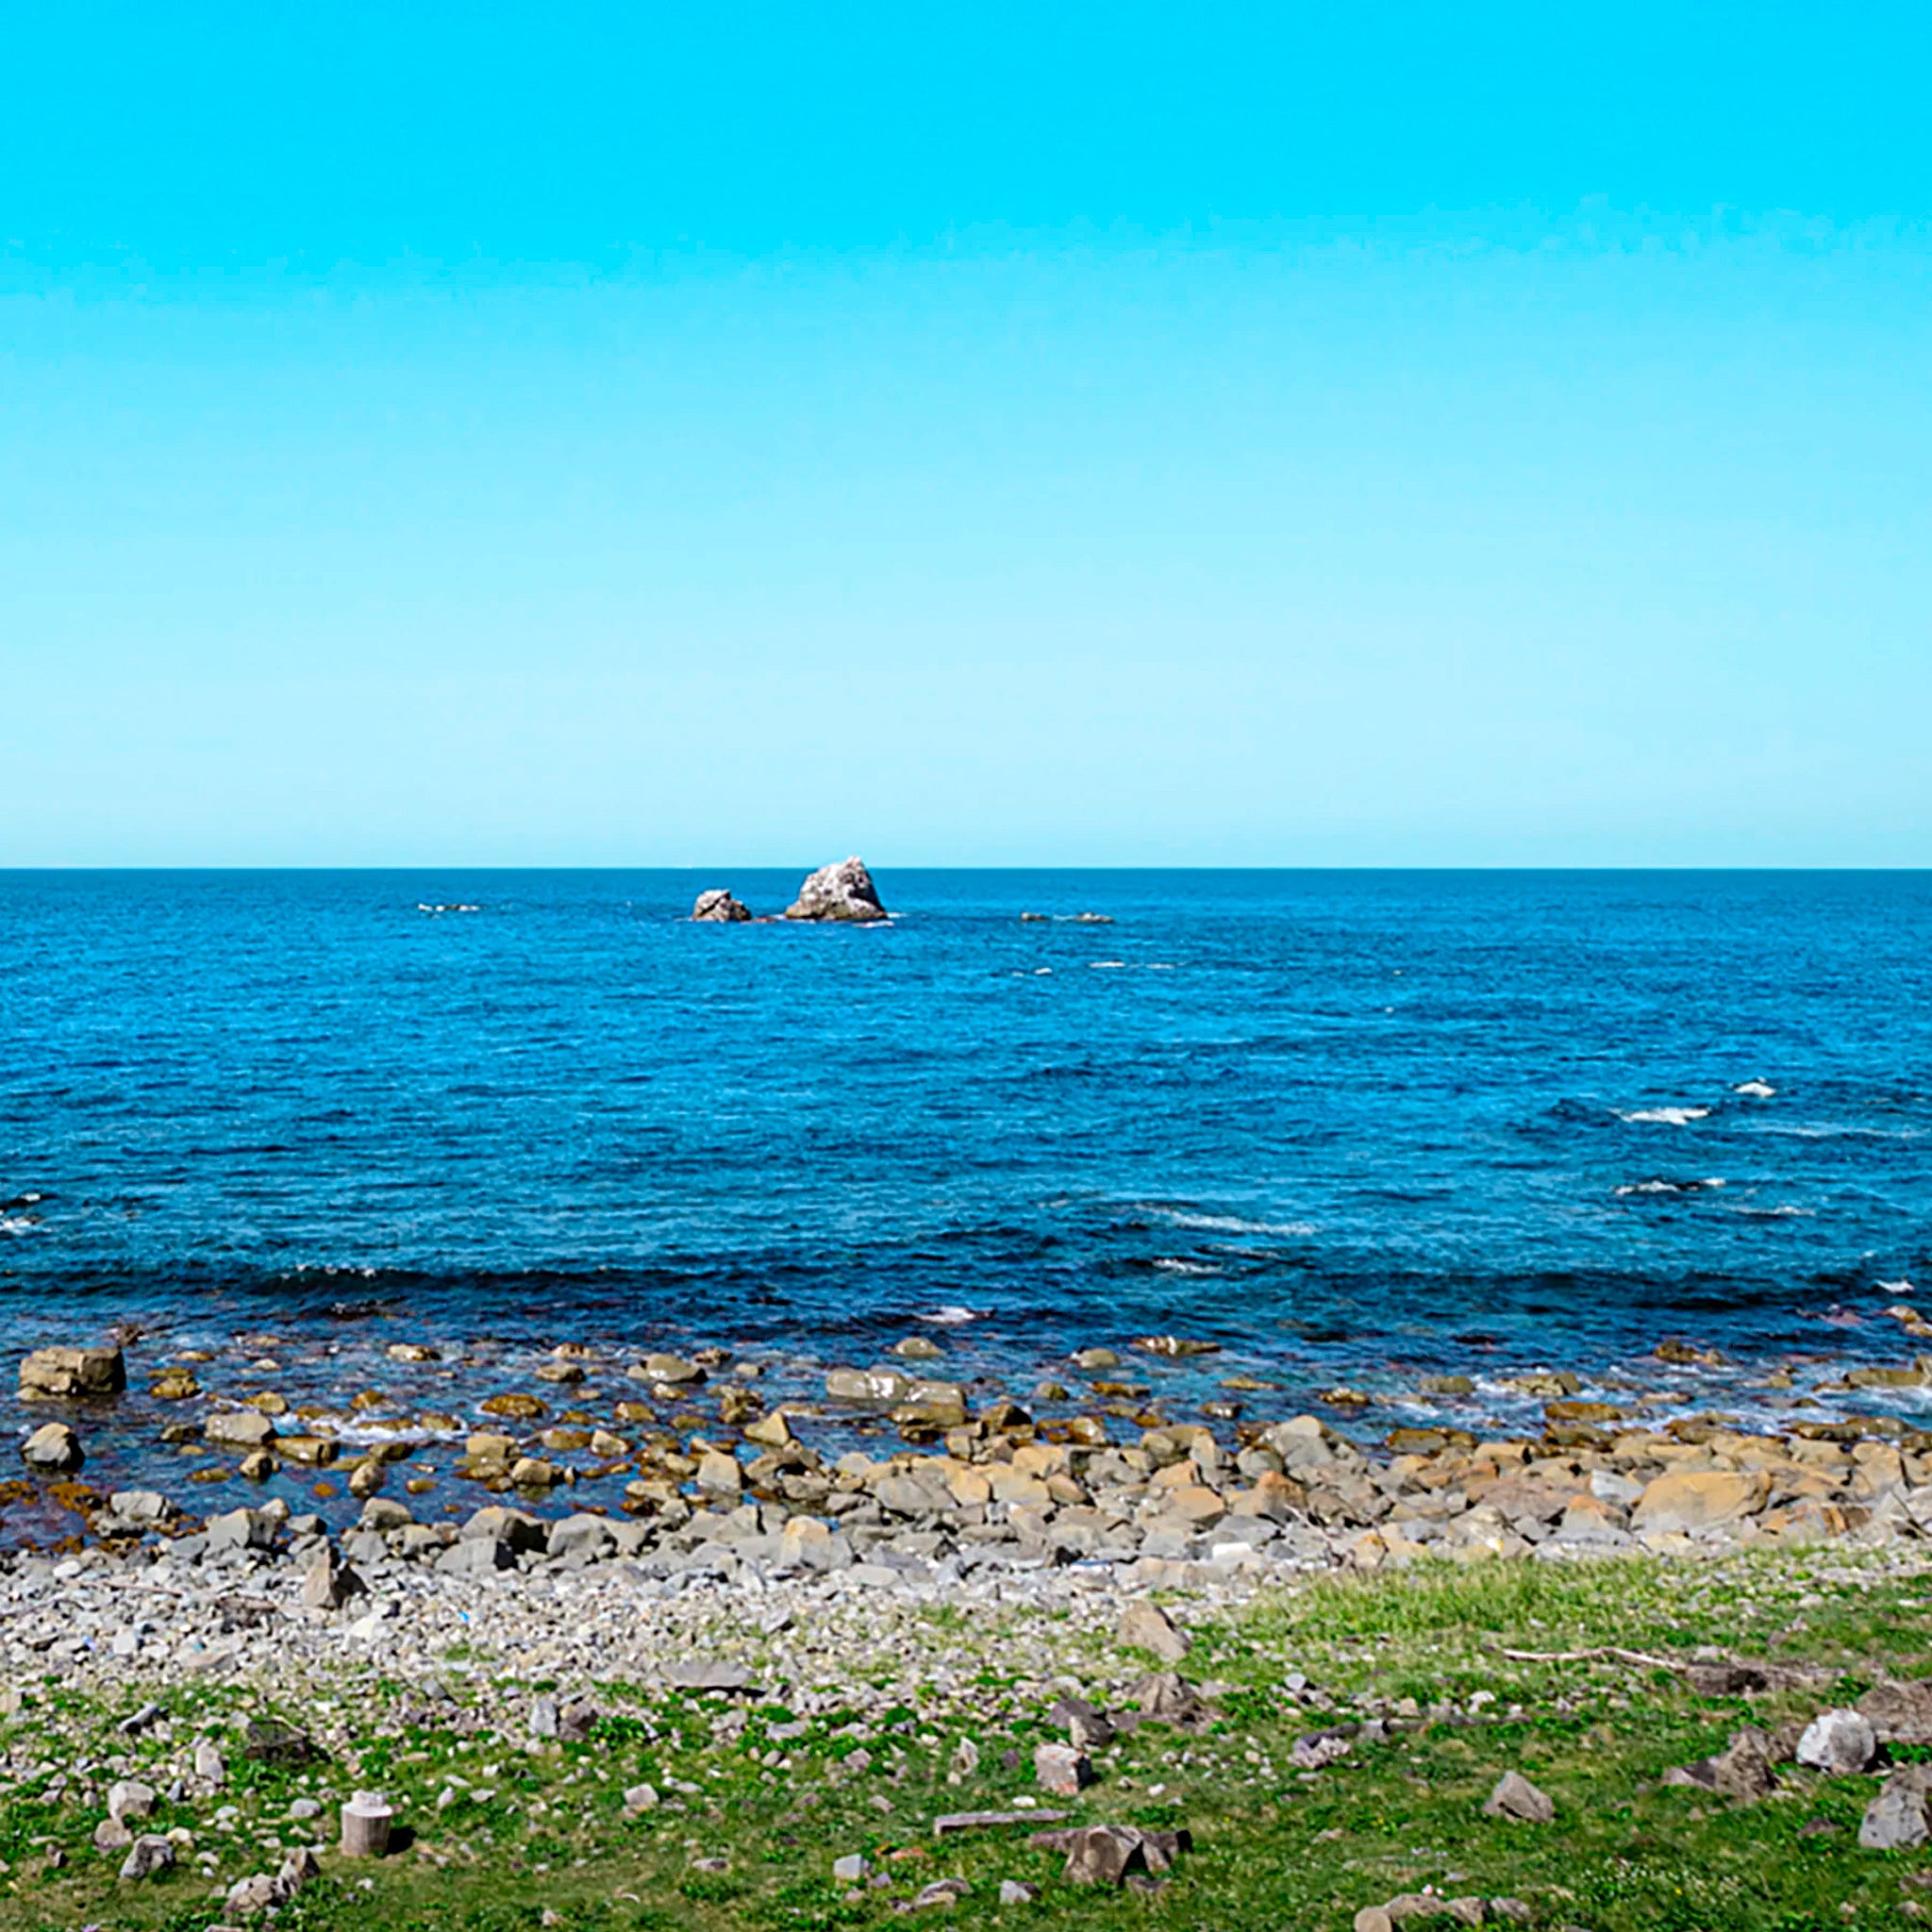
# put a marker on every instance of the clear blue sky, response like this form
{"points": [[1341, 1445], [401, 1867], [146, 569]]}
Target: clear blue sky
{"points": [[966, 435]]}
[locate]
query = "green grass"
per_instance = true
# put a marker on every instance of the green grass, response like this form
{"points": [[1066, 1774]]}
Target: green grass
{"points": [[1275, 1851]]}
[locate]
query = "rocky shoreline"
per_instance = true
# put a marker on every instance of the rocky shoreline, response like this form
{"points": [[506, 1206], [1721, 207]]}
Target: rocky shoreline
{"points": [[710, 1478], [1064, 1594]]}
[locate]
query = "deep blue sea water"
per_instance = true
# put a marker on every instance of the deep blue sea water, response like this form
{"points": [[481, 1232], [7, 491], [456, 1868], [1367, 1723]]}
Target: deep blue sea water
{"points": [[1354, 1126]]}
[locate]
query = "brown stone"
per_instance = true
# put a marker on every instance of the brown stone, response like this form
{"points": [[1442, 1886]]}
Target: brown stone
{"points": [[1699, 1499], [73, 1372]]}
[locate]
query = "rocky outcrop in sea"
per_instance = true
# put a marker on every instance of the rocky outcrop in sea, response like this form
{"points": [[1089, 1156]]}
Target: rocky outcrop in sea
{"points": [[844, 891]]}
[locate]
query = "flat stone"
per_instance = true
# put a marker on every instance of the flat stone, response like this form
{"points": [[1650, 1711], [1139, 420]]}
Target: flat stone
{"points": [[951, 1821], [1699, 1499], [708, 1673], [239, 1428]]}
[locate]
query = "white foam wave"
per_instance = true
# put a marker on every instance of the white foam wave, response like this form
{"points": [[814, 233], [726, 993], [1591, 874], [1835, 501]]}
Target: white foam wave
{"points": [[1231, 1223], [1669, 1116], [1174, 1264], [1896, 1288], [18, 1223], [950, 1315], [1784, 1210], [1756, 1089]]}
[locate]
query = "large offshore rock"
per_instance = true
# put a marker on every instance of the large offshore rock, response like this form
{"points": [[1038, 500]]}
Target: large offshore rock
{"points": [[844, 891]]}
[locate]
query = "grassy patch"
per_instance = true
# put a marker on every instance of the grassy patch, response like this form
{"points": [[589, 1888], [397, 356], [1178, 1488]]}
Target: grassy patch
{"points": [[757, 1803]]}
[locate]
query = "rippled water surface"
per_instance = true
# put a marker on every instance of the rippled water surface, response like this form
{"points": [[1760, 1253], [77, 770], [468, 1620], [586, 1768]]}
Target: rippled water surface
{"points": [[1353, 1127]]}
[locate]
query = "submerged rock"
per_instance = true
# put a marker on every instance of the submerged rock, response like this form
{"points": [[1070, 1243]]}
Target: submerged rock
{"points": [[844, 891]]}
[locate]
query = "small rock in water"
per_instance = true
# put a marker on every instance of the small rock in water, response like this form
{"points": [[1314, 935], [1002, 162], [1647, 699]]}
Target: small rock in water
{"points": [[1515, 1797], [54, 1447], [717, 905]]}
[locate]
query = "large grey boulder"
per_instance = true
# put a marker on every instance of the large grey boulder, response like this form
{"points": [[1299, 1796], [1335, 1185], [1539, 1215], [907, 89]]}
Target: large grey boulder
{"points": [[1841, 1742], [720, 907], [844, 891], [1896, 1817]]}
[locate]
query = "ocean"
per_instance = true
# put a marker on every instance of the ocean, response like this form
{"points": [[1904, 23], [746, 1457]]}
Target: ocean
{"points": [[1354, 1128]]}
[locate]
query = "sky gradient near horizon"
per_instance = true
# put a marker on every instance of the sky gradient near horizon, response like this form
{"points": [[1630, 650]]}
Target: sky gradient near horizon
{"points": [[977, 436]]}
